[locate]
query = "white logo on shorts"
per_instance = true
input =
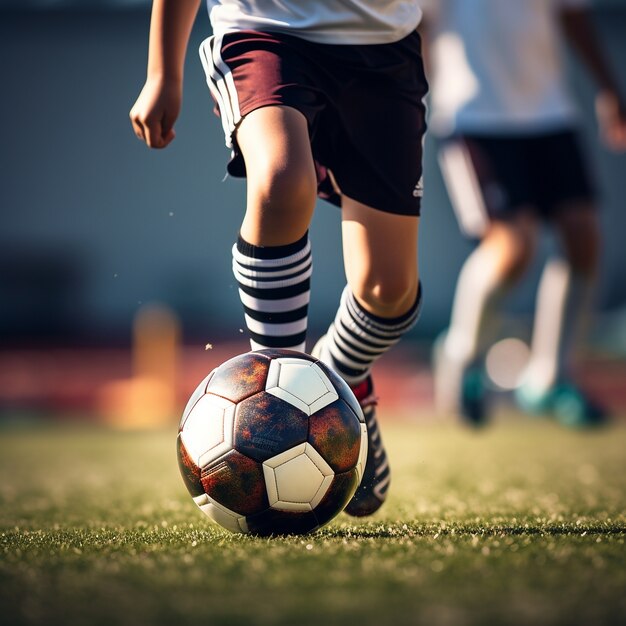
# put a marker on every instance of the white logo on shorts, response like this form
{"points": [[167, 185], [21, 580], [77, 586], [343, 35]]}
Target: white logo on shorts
{"points": [[418, 192]]}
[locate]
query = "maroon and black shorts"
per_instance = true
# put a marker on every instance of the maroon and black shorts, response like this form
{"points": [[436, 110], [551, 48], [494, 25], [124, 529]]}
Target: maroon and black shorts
{"points": [[363, 104], [493, 176]]}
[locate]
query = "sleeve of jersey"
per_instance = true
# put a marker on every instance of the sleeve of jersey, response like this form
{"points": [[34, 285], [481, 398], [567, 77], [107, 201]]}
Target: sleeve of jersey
{"points": [[430, 9]]}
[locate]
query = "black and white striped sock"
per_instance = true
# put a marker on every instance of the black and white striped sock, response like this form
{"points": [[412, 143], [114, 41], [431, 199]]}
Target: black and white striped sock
{"points": [[357, 338], [274, 287]]}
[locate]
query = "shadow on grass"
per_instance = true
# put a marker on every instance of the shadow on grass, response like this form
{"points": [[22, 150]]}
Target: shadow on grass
{"points": [[482, 528]]}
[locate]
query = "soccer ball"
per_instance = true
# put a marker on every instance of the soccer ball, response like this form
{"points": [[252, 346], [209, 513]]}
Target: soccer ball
{"points": [[272, 442]]}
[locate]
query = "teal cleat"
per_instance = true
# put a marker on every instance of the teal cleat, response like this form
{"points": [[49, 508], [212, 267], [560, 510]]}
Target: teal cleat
{"points": [[565, 402], [459, 390], [473, 404]]}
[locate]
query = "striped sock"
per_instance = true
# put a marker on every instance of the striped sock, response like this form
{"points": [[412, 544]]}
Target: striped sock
{"points": [[357, 338], [274, 287]]}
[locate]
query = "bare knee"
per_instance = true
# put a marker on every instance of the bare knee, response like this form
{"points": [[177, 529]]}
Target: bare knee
{"points": [[521, 252], [388, 296], [280, 205], [511, 247], [282, 187]]}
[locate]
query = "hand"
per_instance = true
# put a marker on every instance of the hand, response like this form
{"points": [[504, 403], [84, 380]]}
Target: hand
{"points": [[155, 111], [611, 114]]}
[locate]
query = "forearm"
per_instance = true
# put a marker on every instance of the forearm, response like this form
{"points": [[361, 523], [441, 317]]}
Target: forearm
{"points": [[579, 30], [170, 28]]}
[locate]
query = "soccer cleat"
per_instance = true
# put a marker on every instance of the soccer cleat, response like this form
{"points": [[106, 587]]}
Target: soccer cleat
{"points": [[459, 390], [372, 491], [473, 406], [566, 402]]}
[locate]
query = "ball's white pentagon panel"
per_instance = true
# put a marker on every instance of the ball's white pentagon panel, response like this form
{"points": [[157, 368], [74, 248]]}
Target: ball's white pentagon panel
{"points": [[221, 515], [285, 456], [301, 383], [331, 393], [199, 391], [208, 431], [360, 466], [297, 482], [297, 479], [226, 443]]}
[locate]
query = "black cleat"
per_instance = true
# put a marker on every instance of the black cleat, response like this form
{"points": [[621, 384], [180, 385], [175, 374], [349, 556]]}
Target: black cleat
{"points": [[372, 491]]}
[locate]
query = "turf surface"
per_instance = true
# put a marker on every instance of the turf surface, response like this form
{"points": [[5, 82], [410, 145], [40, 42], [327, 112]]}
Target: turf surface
{"points": [[522, 523]]}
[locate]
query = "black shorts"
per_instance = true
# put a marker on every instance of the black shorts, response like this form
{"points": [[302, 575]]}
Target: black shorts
{"points": [[363, 104], [493, 176]]}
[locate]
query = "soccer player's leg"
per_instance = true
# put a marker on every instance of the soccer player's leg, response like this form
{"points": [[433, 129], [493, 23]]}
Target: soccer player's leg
{"points": [[374, 153], [486, 277], [493, 197], [272, 257], [565, 294], [564, 303], [380, 303]]}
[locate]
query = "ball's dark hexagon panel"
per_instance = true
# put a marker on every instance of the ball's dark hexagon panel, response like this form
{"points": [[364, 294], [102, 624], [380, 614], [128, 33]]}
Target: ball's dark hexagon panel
{"points": [[266, 426], [338, 495], [240, 377], [273, 522], [188, 469], [343, 389], [335, 432], [236, 482]]}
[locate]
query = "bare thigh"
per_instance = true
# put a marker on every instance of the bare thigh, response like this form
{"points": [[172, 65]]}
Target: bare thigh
{"points": [[281, 179]]}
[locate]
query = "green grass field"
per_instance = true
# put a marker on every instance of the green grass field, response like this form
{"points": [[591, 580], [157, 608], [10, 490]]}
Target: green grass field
{"points": [[522, 523]]}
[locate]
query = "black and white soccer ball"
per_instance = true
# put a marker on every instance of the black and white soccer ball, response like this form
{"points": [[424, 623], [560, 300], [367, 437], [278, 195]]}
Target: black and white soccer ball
{"points": [[272, 442]]}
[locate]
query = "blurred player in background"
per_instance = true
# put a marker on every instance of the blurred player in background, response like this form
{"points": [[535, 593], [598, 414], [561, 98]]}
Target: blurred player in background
{"points": [[511, 162], [315, 98]]}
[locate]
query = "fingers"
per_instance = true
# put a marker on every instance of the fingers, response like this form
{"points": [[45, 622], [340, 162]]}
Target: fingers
{"points": [[614, 135], [168, 138], [151, 131], [137, 127], [611, 114], [155, 111], [167, 129]]}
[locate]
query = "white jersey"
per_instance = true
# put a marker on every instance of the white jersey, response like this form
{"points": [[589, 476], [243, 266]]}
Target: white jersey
{"points": [[321, 21], [495, 66]]}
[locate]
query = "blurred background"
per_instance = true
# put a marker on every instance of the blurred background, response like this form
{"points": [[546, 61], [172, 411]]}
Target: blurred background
{"points": [[115, 260]]}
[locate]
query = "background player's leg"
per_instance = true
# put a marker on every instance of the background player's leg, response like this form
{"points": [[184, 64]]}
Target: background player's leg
{"points": [[485, 278], [272, 257], [564, 301]]}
